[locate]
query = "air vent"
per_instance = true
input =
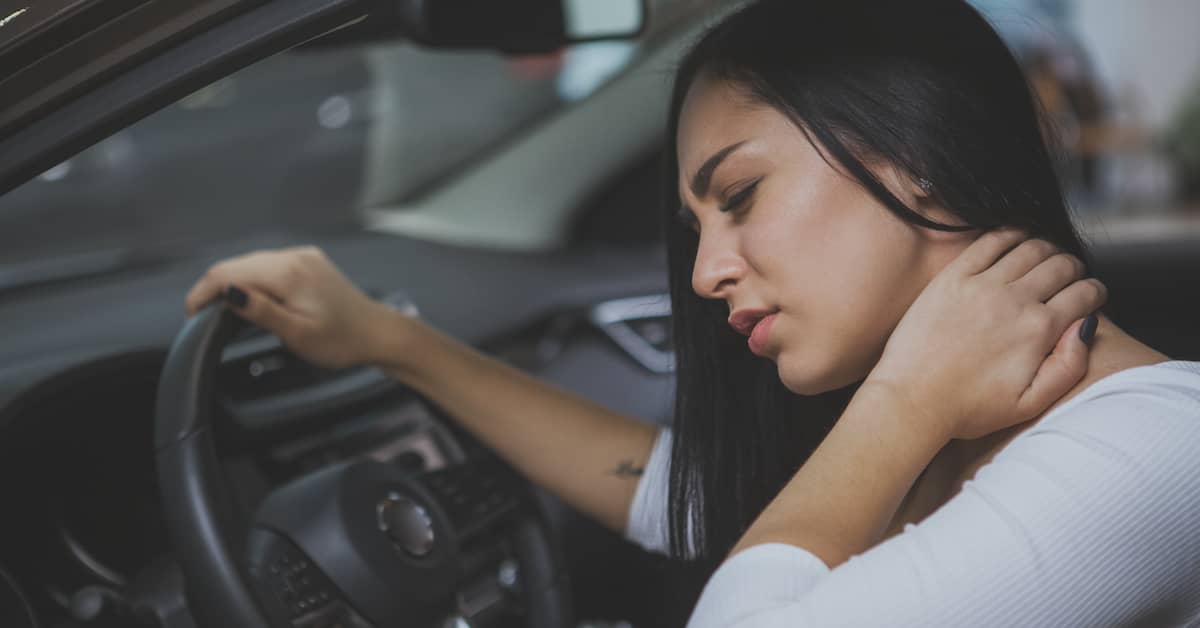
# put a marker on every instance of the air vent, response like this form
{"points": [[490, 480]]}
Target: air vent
{"points": [[258, 366], [264, 384], [642, 327]]}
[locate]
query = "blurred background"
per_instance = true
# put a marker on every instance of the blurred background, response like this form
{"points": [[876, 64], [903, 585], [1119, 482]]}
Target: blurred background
{"points": [[313, 140], [1121, 83]]}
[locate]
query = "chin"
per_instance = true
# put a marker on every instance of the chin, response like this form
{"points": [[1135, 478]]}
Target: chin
{"points": [[803, 375]]}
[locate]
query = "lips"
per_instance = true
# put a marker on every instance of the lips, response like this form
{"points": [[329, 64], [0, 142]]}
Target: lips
{"points": [[756, 324], [760, 335], [743, 321]]}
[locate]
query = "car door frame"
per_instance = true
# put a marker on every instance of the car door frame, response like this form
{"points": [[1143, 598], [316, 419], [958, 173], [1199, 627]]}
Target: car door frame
{"points": [[74, 92]]}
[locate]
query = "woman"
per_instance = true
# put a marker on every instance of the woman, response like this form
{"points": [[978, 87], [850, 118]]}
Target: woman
{"points": [[852, 185]]}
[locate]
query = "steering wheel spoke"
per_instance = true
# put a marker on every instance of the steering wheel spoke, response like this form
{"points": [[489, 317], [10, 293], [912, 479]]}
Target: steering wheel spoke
{"points": [[355, 544], [476, 496], [292, 588]]}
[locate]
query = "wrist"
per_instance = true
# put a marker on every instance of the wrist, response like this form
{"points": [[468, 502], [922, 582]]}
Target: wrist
{"points": [[919, 422], [390, 338], [842, 499]]}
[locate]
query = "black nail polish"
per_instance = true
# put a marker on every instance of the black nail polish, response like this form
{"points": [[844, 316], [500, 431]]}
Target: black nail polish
{"points": [[236, 297], [1087, 331]]}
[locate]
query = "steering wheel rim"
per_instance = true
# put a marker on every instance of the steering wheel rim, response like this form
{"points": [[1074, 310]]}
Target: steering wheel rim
{"points": [[194, 495], [220, 590]]}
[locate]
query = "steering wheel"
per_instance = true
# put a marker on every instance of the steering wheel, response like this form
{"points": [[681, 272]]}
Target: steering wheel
{"points": [[357, 544]]}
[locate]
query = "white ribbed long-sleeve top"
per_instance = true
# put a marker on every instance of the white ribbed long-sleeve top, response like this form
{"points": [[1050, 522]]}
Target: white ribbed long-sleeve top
{"points": [[1089, 518]]}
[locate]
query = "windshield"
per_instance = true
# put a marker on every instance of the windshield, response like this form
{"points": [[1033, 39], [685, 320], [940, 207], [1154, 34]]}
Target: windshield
{"points": [[287, 145], [304, 142]]}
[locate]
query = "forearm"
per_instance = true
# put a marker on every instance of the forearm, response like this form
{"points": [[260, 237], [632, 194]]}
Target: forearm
{"points": [[589, 456], [841, 500]]}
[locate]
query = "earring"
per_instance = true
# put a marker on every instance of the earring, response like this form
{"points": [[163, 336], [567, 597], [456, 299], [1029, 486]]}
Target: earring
{"points": [[926, 185]]}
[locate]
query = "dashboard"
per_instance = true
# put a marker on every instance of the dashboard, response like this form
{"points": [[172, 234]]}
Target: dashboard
{"points": [[84, 540], [87, 541]]}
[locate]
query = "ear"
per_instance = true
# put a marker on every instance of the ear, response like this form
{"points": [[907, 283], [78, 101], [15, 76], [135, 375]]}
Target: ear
{"points": [[903, 186], [921, 196], [915, 192], [925, 202]]}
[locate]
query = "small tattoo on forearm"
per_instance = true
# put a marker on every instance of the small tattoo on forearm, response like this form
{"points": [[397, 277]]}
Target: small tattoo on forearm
{"points": [[627, 469]]}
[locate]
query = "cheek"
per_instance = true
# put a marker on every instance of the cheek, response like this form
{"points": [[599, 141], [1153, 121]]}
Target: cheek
{"points": [[848, 291], [812, 362]]}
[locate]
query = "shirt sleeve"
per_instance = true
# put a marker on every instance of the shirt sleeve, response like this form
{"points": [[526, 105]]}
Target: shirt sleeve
{"points": [[647, 521], [1086, 519]]}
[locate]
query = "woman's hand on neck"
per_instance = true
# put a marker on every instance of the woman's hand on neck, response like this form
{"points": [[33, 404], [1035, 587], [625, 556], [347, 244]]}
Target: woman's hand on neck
{"points": [[1113, 350]]}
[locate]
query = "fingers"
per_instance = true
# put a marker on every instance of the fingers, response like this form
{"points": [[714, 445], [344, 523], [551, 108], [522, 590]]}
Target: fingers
{"points": [[987, 248], [204, 292], [260, 308], [1016, 263], [1037, 269], [252, 304], [1049, 277], [1078, 300], [215, 281], [272, 272], [1059, 372]]}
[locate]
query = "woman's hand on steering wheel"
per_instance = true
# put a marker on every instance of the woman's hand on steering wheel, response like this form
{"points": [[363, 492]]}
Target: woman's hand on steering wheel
{"points": [[301, 297], [994, 339]]}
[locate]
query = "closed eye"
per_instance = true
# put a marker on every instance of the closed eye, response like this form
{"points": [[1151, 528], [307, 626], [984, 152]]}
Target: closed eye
{"points": [[739, 198]]}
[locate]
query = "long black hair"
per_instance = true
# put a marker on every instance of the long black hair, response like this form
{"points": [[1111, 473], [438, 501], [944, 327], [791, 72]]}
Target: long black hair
{"points": [[925, 85]]}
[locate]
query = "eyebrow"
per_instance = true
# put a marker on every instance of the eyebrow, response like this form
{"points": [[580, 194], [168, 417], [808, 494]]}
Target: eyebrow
{"points": [[704, 175]]}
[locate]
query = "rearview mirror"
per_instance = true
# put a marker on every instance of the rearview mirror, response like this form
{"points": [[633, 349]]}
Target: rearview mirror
{"points": [[512, 26], [528, 26], [587, 20]]}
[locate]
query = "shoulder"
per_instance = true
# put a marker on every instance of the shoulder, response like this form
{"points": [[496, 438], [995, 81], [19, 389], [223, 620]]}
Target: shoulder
{"points": [[1107, 479], [1093, 508], [1138, 428], [1087, 518], [1142, 417]]}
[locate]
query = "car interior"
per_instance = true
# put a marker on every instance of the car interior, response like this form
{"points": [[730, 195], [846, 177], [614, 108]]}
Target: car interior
{"points": [[510, 199]]}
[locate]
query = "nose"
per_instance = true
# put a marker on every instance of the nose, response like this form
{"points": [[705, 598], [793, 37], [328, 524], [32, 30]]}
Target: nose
{"points": [[719, 267]]}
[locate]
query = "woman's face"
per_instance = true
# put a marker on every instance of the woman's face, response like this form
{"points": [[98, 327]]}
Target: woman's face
{"points": [[814, 270]]}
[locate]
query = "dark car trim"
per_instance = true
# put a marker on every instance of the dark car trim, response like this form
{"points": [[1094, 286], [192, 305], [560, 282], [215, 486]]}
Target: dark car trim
{"points": [[182, 61], [89, 43]]}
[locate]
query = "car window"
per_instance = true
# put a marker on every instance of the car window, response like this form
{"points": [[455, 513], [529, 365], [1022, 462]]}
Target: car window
{"points": [[284, 145], [301, 142]]}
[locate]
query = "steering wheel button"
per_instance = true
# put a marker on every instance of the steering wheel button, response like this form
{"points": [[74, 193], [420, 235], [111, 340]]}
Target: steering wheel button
{"points": [[407, 524]]}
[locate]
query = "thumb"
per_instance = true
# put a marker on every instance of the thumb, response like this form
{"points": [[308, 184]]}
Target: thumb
{"points": [[1062, 369]]}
